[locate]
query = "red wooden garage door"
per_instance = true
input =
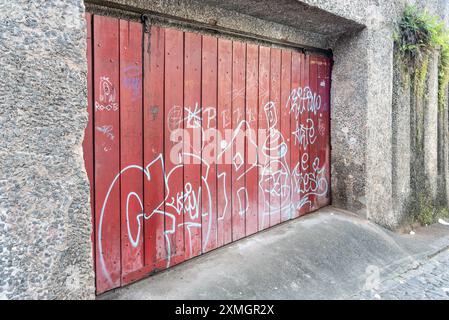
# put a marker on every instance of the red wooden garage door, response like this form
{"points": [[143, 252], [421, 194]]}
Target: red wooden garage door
{"points": [[196, 141]]}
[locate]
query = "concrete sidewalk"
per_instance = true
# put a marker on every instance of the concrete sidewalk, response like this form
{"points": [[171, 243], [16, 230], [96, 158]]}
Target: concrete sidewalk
{"points": [[329, 254]]}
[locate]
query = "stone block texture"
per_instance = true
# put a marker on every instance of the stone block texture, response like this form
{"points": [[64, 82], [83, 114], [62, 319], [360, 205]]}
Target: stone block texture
{"points": [[45, 219]]}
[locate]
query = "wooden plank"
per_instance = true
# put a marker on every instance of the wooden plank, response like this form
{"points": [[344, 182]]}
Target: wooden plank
{"points": [[287, 211], [192, 146], [208, 170], [327, 99], [323, 133], [277, 145], [131, 153], [224, 124], [313, 104], [107, 152], [239, 195], [295, 156], [88, 142], [174, 99], [263, 138], [153, 146], [252, 111]]}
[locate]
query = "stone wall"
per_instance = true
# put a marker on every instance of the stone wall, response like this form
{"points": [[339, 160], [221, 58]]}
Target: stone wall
{"points": [[45, 219]]}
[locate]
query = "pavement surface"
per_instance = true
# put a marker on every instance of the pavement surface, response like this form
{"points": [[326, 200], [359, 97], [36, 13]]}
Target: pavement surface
{"points": [[329, 254]]}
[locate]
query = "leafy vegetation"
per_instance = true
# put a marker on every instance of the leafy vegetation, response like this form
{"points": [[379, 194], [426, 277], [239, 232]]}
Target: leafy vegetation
{"points": [[418, 35], [428, 212], [413, 39]]}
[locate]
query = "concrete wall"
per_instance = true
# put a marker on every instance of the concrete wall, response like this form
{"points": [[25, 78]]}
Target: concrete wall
{"points": [[362, 119], [45, 219], [376, 167]]}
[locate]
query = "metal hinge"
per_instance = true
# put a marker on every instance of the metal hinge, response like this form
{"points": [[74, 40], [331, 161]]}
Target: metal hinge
{"points": [[147, 22]]}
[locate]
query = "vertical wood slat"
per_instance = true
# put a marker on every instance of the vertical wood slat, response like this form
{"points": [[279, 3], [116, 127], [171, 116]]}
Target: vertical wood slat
{"points": [[251, 117], [263, 138], [192, 144], [295, 118], [305, 156], [173, 153], [107, 152], [312, 136], [208, 170], [323, 132], [285, 180], [239, 195], [224, 125], [327, 99], [131, 153], [153, 147], [277, 143]]}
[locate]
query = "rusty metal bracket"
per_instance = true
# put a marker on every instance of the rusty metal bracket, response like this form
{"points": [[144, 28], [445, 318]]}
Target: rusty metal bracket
{"points": [[147, 22]]}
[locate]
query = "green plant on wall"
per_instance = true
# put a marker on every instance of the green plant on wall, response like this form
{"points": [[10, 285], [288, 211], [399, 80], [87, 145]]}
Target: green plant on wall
{"points": [[428, 212], [413, 39], [443, 76], [418, 35]]}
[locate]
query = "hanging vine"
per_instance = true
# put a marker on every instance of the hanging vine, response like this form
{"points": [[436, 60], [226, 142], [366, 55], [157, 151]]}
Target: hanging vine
{"points": [[418, 35]]}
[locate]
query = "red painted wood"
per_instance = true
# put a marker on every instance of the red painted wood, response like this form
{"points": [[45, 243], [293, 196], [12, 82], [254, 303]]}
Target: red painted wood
{"points": [[263, 138], [192, 146], [224, 124], [304, 147], [174, 123], [313, 110], [252, 112], [295, 152], [208, 170], [88, 142], [323, 134], [285, 177], [196, 198], [153, 148], [328, 119], [131, 183], [239, 195], [107, 152], [277, 143]]}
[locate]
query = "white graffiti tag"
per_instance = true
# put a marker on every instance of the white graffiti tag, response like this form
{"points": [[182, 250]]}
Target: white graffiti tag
{"points": [[266, 153]]}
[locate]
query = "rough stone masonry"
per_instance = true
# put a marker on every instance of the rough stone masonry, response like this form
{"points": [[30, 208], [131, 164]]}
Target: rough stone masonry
{"points": [[45, 218]]}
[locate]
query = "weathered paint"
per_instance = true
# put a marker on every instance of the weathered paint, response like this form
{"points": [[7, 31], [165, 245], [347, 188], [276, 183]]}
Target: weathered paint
{"points": [[131, 146], [192, 169], [224, 120], [203, 142], [153, 123], [107, 151]]}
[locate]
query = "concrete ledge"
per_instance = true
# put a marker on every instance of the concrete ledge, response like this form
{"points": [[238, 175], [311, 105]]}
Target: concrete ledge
{"points": [[322, 255], [288, 21]]}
